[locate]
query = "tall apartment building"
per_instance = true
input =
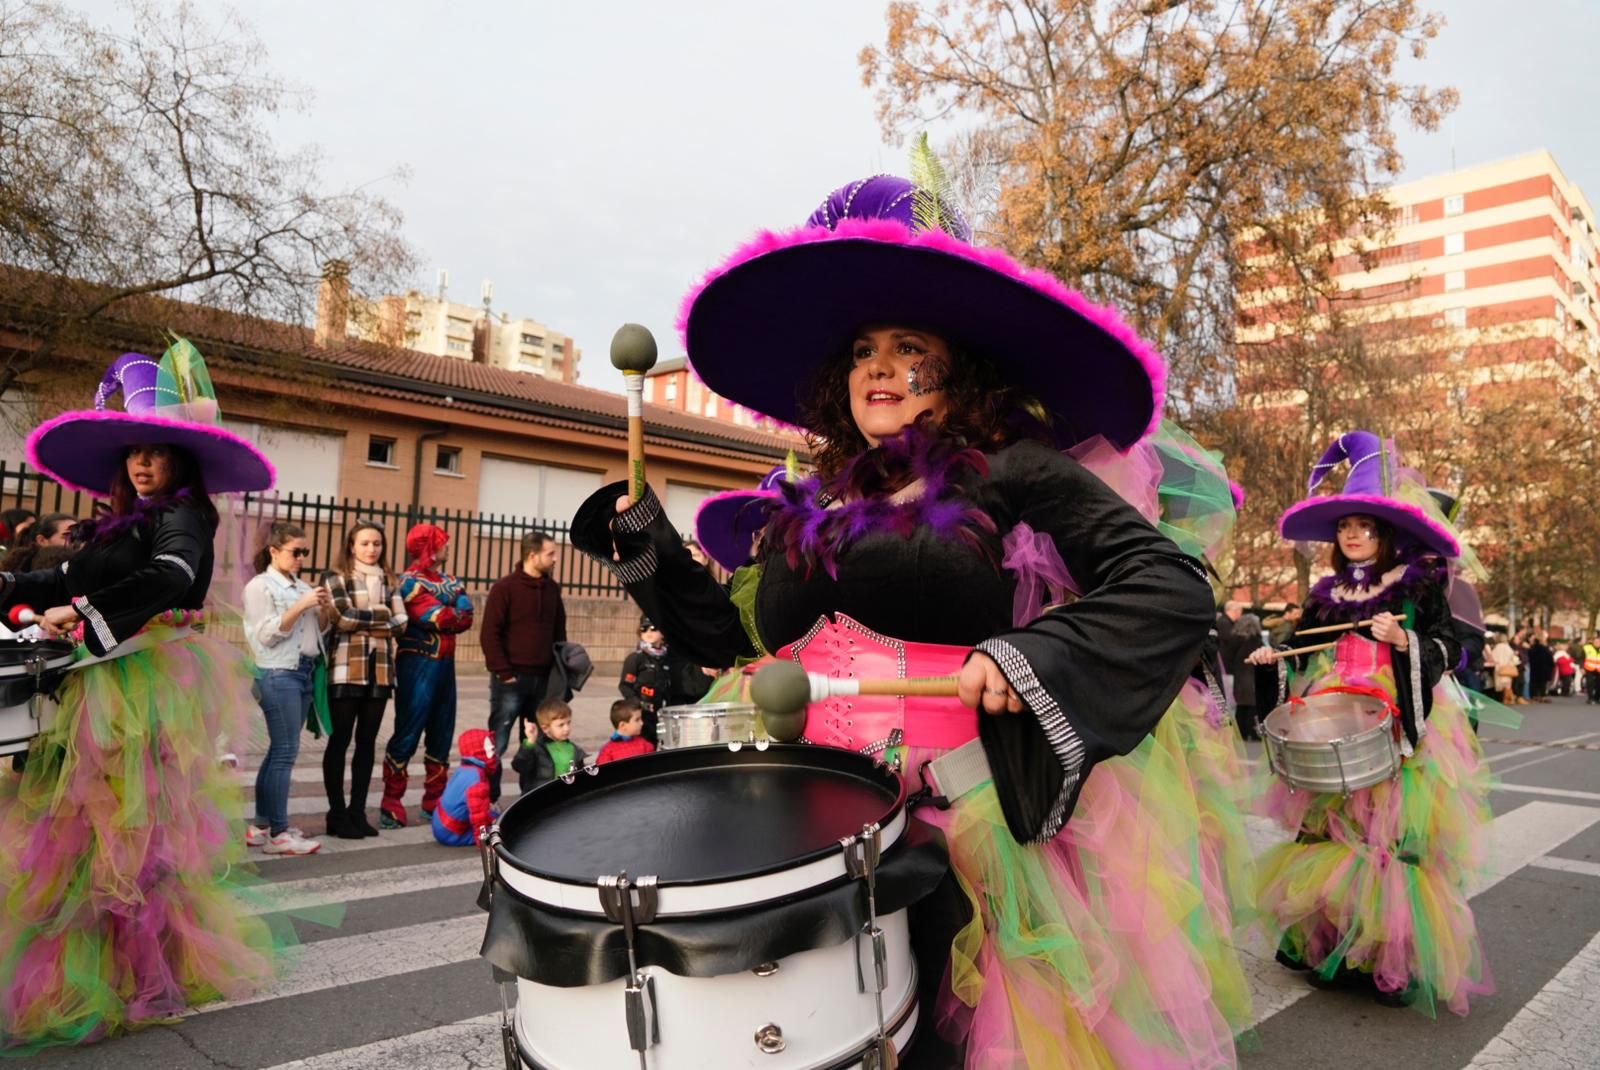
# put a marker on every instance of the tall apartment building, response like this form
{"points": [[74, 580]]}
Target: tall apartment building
{"points": [[670, 383], [445, 328], [1488, 269]]}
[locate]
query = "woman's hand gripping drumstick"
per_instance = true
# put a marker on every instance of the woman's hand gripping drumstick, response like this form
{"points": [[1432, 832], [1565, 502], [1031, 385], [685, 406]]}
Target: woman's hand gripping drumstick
{"points": [[1386, 628], [783, 689]]}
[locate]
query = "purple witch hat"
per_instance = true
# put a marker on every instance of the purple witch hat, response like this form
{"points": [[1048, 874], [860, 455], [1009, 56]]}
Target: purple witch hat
{"points": [[168, 402], [727, 523], [785, 303], [1370, 489]]}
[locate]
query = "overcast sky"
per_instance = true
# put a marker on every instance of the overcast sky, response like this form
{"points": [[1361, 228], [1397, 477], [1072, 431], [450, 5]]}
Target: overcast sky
{"points": [[592, 158]]}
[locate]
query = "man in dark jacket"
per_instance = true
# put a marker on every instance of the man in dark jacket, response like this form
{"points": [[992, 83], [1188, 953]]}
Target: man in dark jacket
{"points": [[1243, 637], [523, 620]]}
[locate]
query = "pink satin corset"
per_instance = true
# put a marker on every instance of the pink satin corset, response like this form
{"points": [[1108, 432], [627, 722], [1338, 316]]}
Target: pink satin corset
{"points": [[845, 649]]}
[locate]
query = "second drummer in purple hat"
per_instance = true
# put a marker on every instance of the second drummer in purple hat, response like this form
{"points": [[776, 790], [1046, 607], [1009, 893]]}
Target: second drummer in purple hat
{"points": [[939, 383], [1372, 891]]}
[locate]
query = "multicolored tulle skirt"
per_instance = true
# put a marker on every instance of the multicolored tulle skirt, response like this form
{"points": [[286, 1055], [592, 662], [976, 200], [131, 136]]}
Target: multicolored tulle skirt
{"points": [[1377, 882], [119, 852], [1111, 945]]}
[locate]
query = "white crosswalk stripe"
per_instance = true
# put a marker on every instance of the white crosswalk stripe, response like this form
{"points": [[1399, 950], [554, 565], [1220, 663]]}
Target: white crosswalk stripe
{"points": [[388, 952]]}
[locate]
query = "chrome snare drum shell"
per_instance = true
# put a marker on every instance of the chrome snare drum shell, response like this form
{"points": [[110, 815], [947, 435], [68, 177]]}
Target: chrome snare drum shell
{"points": [[1332, 742], [708, 724]]}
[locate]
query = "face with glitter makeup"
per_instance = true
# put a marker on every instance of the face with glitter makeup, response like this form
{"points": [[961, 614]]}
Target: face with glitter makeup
{"points": [[896, 375], [1358, 537]]}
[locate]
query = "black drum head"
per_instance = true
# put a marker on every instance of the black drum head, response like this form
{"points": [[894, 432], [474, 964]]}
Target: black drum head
{"points": [[699, 815], [16, 653]]}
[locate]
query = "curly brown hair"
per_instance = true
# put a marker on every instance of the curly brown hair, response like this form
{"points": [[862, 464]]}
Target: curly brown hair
{"points": [[982, 411]]}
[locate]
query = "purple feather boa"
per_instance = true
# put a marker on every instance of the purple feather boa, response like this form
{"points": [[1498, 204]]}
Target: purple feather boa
{"points": [[1361, 594], [108, 525], [811, 534]]}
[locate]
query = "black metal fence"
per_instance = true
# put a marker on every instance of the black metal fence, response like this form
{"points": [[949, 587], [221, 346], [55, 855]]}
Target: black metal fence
{"points": [[483, 547]]}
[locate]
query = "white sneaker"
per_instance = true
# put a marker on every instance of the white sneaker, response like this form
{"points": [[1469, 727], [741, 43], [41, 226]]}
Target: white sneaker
{"points": [[256, 836], [287, 843]]}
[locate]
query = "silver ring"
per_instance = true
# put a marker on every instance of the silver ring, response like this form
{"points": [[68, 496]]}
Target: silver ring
{"points": [[993, 691]]}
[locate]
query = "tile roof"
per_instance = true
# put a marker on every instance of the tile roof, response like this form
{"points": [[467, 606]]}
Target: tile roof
{"points": [[229, 336]]}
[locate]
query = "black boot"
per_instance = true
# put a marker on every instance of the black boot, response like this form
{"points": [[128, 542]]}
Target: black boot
{"points": [[356, 816], [339, 825]]}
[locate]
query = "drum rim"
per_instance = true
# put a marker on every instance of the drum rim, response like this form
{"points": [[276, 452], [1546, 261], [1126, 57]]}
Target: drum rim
{"points": [[1383, 722], [907, 1018], [699, 709], [57, 654], [695, 757]]}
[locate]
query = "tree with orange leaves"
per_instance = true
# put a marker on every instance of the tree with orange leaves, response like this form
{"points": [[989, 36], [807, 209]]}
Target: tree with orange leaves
{"points": [[1131, 144]]}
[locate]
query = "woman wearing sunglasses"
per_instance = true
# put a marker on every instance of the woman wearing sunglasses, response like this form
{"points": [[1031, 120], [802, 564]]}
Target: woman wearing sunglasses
{"points": [[284, 618]]}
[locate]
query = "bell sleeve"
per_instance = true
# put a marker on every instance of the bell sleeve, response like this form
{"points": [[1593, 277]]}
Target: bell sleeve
{"points": [[115, 612], [1095, 676], [1432, 649], [678, 594]]}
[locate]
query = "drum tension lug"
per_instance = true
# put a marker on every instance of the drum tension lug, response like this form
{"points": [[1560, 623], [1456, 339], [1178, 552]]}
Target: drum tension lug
{"points": [[631, 903], [488, 844]]}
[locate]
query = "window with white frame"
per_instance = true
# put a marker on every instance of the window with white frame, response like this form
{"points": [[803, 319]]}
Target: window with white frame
{"points": [[380, 451], [533, 492], [711, 406], [1455, 244], [1455, 204], [683, 503], [1455, 280], [1455, 317], [447, 461], [672, 390], [307, 461]]}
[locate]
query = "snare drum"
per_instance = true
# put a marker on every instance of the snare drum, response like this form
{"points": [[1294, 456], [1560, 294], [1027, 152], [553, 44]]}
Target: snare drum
{"points": [[30, 672], [708, 724], [709, 907], [1332, 742]]}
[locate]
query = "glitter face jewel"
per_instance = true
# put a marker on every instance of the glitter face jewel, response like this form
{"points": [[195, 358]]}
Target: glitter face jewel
{"points": [[927, 376]]}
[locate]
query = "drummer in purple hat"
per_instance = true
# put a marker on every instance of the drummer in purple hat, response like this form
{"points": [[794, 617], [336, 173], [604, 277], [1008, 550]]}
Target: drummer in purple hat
{"points": [[118, 838], [939, 383], [1372, 891]]}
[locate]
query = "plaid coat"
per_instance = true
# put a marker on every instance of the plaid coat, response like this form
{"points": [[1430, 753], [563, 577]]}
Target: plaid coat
{"points": [[361, 656]]}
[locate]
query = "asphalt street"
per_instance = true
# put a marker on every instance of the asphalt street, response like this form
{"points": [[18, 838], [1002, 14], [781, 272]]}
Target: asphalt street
{"points": [[394, 981]]}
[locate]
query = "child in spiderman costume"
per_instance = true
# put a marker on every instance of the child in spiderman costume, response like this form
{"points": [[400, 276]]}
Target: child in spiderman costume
{"points": [[464, 807], [437, 610]]}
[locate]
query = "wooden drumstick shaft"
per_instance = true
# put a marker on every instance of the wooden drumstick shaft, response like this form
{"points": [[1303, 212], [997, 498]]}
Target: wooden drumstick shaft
{"points": [[1333, 628], [633, 383], [826, 687], [1304, 649], [937, 686]]}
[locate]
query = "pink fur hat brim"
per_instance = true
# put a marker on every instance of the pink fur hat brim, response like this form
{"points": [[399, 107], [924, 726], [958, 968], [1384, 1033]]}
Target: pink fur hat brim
{"points": [[82, 450], [757, 327], [1317, 520]]}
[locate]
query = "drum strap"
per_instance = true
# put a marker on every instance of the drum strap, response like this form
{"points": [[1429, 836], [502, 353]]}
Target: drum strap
{"points": [[957, 772]]}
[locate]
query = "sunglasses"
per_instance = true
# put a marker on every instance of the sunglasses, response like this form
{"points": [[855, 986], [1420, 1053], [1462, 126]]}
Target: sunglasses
{"points": [[300, 551]]}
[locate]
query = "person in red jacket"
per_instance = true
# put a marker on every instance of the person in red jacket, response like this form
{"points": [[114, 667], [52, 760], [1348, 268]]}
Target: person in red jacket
{"points": [[464, 808], [627, 724], [523, 620]]}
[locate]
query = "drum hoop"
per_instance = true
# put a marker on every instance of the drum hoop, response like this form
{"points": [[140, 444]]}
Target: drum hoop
{"points": [[49, 662], [705, 709], [664, 761], [901, 1029], [688, 897]]}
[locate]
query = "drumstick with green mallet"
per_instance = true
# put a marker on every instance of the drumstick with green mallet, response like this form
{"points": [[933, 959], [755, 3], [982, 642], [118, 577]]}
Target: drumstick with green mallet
{"points": [[633, 353], [783, 689]]}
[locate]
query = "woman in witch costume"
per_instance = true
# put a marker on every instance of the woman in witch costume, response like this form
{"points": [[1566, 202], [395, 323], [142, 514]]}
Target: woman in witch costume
{"points": [[117, 841], [1372, 892], [944, 383]]}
